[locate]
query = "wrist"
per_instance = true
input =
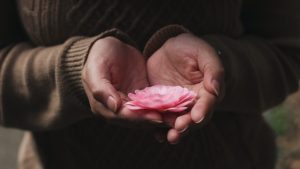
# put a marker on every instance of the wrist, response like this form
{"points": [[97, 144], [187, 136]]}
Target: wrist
{"points": [[74, 59], [161, 36]]}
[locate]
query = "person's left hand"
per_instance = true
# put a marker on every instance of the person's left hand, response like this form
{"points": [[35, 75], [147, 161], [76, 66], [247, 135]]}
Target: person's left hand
{"points": [[190, 62]]}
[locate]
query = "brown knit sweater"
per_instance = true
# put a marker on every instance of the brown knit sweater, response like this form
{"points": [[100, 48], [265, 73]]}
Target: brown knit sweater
{"points": [[40, 73]]}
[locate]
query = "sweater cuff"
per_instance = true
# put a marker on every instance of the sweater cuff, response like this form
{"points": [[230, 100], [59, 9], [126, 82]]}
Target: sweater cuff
{"points": [[3, 52], [72, 62], [161, 36]]}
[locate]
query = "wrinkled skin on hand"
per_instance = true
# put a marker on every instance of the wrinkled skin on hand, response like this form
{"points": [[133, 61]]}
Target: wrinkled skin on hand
{"points": [[188, 61], [112, 70]]}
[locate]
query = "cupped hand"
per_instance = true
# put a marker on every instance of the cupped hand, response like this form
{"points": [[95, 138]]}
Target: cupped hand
{"points": [[188, 61], [112, 70]]}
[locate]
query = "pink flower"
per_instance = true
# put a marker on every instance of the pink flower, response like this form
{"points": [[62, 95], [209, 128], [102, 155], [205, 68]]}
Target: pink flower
{"points": [[161, 98]]}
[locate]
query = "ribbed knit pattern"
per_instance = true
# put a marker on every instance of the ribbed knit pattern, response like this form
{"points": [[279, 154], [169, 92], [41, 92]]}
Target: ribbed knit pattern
{"points": [[97, 144], [72, 62], [54, 21], [41, 89]]}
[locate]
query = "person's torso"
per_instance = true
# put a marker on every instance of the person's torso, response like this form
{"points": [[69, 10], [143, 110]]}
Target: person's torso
{"points": [[50, 22], [97, 144]]}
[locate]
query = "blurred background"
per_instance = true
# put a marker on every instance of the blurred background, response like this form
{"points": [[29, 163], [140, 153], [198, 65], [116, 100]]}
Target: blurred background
{"points": [[9, 145], [284, 119]]}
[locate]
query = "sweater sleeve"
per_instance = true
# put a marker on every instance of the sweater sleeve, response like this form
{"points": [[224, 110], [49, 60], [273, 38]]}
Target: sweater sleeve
{"points": [[40, 87], [262, 66]]}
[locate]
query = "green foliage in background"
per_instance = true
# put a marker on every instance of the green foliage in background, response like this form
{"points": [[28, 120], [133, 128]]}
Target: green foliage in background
{"points": [[277, 118]]}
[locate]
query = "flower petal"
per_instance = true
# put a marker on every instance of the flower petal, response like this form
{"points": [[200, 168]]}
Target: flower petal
{"points": [[161, 98]]}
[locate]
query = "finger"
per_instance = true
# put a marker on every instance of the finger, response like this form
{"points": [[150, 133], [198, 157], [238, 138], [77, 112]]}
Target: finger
{"points": [[183, 122], [213, 71], [203, 106], [173, 136], [108, 95], [98, 81], [213, 78], [142, 115], [97, 107], [169, 119]]}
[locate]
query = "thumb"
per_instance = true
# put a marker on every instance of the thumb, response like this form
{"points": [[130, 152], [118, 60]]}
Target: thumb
{"points": [[97, 78], [108, 95], [213, 79], [213, 72]]}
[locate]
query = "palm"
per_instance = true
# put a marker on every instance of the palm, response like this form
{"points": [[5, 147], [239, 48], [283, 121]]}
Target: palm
{"points": [[175, 69], [128, 72], [189, 62], [111, 71]]}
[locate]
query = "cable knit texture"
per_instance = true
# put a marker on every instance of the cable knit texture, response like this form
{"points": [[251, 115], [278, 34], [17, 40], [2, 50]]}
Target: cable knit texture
{"points": [[43, 50]]}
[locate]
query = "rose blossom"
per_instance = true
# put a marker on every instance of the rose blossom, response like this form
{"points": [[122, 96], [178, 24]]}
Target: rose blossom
{"points": [[161, 98]]}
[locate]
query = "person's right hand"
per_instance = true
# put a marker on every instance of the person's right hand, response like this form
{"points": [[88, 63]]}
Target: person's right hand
{"points": [[112, 70], [188, 61]]}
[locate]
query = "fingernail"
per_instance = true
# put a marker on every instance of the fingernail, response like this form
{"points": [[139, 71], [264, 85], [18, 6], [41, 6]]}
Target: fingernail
{"points": [[183, 130], [201, 119], [216, 87], [112, 104], [157, 121]]}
